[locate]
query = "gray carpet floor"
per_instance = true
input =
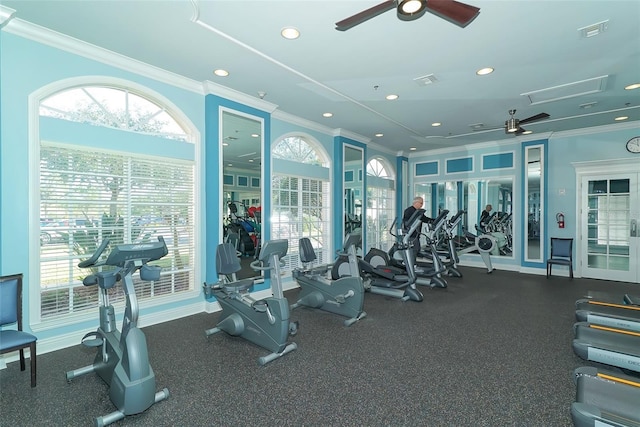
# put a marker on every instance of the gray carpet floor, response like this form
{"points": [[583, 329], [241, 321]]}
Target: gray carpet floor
{"points": [[489, 350]]}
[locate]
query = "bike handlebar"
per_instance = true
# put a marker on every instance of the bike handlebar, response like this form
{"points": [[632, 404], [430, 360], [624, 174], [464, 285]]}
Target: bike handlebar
{"points": [[96, 255]]}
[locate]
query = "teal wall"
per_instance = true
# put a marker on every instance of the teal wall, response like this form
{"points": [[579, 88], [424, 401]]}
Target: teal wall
{"points": [[27, 66], [213, 104], [338, 189], [563, 151], [597, 144]]}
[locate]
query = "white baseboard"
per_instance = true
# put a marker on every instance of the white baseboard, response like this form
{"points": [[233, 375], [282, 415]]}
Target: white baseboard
{"points": [[59, 342]]}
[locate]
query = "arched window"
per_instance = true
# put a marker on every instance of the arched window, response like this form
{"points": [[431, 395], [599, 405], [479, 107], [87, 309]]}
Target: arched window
{"points": [[381, 197], [112, 164], [112, 107], [299, 150], [301, 204]]}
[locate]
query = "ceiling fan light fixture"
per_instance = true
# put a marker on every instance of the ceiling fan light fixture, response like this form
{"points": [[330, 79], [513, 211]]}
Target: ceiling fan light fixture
{"points": [[511, 125], [408, 10]]}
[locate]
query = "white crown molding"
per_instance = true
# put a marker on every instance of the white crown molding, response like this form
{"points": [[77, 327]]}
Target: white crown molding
{"points": [[6, 13], [533, 137], [295, 120], [211, 88], [598, 129], [378, 147], [603, 166], [351, 135], [69, 44]]}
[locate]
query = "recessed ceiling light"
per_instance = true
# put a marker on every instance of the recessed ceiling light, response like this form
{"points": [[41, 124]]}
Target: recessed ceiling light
{"points": [[379, 135], [392, 97], [632, 86], [220, 72], [290, 33], [255, 135], [413, 148], [327, 114], [621, 118], [484, 71], [436, 124]]}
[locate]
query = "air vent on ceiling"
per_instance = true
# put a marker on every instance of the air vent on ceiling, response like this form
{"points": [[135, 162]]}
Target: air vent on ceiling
{"points": [[569, 90], [593, 29], [425, 80]]}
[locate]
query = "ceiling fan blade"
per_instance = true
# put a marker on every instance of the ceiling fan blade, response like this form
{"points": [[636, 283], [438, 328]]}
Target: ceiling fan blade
{"points": [[537, 117], [365, 15], [520, 131], [455, 12]]}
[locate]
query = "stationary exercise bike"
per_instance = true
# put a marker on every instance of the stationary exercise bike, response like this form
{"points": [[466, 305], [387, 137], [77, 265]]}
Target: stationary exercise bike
{"points": [[263, 322], [344, 296], [122, 360]]}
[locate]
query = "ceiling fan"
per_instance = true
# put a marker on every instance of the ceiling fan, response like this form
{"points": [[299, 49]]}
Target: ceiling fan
{"points": [[455, 12], [513, 125]]}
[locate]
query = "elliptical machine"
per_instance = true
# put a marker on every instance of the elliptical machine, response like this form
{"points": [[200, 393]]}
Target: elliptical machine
{"points": [[388, 280], [263, 322], [122, 360], [344, 296], [429, 266]]}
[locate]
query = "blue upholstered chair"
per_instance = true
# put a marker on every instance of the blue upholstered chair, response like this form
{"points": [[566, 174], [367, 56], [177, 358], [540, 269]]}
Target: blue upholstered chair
{"points": [[561, 254], [11, 314]]}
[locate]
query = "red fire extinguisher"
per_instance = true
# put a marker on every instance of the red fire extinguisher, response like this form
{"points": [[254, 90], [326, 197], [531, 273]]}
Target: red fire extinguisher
{"points": [[560, 219]]}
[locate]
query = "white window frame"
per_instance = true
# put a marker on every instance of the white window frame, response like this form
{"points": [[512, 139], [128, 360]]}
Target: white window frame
{"points": [[373, 196], [35, 319], [293, 259]]}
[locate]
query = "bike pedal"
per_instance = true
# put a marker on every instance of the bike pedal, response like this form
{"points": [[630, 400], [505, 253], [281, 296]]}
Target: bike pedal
{"points": [[95, 342]]}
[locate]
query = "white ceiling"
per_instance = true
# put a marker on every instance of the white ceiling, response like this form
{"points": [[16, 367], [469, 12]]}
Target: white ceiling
{"points": [[533, 45]]}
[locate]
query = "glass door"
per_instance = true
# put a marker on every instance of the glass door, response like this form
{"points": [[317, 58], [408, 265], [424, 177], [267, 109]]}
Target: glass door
{"points": [[610, 216]]}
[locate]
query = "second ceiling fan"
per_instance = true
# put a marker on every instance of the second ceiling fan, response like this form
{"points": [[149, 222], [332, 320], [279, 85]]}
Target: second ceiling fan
{"points": [[455, 12], [512, 126]]}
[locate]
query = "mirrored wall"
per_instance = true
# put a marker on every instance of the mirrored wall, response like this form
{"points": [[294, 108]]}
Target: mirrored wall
{"points": [[353, 185], [534, 203], [493, 195], [241, 137]]}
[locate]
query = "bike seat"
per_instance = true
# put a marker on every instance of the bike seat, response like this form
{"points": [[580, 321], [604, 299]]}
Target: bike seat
{"points": [[239, 286]]}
